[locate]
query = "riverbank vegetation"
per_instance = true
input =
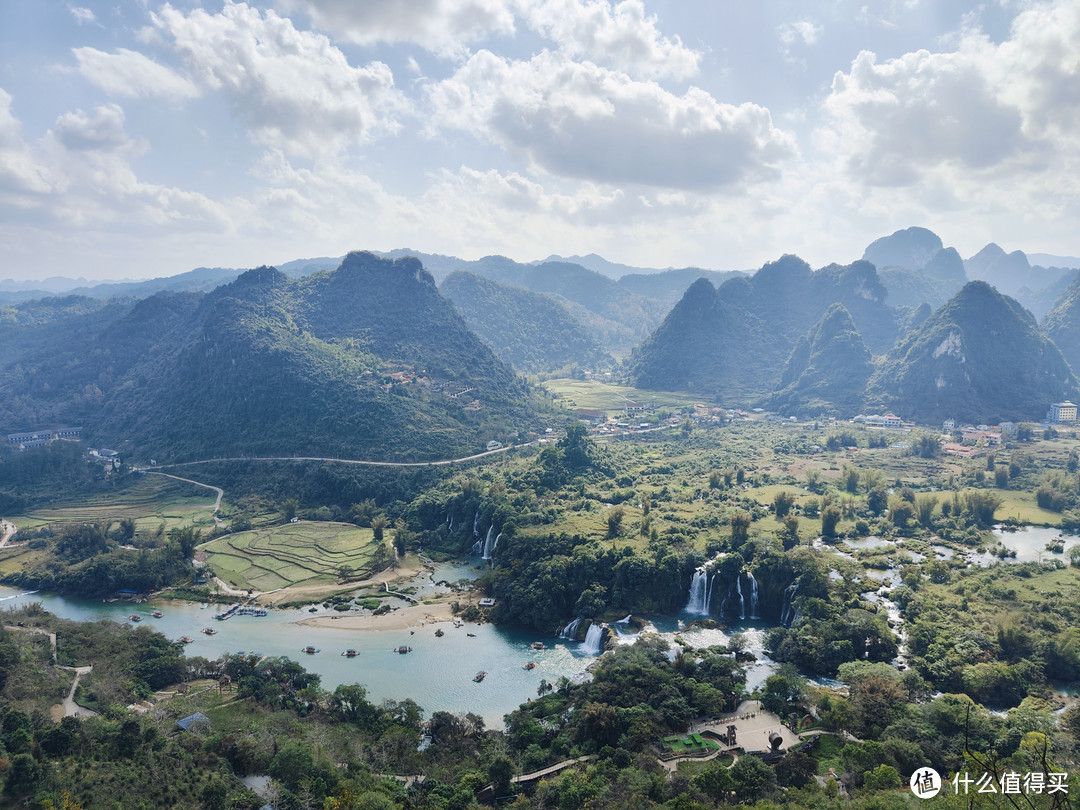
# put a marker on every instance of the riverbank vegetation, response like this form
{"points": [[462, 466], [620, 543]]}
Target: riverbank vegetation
{"points": [[861, 551]]}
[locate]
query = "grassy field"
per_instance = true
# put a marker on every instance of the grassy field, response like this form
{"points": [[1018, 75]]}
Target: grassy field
{"points": [[280, 556], [600, 396], [151, 501]]}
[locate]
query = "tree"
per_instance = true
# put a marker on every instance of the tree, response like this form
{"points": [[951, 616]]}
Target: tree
{"points": [[715, 782], [753, 778], [614, 520], [378, 526], [740, 528], [576, 447], [500, 772], [289, 507], [829, 518], [883, 777], [789, 535], [782, 503], [796, 769]]}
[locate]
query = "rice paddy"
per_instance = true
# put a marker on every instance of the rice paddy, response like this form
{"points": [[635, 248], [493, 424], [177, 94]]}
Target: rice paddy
{"points": [[276, 557]]}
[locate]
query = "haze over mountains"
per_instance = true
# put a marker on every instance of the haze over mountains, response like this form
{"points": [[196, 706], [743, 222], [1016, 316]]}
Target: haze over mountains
{"points": [[297, 359]]}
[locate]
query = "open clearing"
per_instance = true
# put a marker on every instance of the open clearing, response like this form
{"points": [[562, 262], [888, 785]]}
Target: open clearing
{"points": [[150, 500], [280, 556], [607, 397]]}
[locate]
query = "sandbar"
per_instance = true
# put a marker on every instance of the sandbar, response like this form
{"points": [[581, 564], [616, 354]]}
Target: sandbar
{"points": [[411, 616]]}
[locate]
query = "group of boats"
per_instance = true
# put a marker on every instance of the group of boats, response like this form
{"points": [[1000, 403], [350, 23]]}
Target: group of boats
{"points": [[135, 617]]}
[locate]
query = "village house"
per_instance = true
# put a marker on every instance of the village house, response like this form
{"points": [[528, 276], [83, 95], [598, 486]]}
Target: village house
{"points": [[1062, 412]]}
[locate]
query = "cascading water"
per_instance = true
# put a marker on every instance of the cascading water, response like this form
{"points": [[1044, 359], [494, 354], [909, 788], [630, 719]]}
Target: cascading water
{"points": [[475, 524], [754, 604], [593, 644], [495, 545], [450, 522], [738, 592], [625, 620], [570, 631], [787, 615], [697, 601], [487, 544], [477, 548]]}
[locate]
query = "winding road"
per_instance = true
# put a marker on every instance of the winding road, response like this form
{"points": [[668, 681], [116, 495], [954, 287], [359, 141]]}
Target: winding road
{"points": [[440, 463]]}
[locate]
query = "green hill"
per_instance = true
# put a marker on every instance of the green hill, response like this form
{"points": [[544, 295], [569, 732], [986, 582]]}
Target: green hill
{"points": [[1062, 325], [827, 370], [272, 365], [531, 331], [733, 341], [980, 358]]}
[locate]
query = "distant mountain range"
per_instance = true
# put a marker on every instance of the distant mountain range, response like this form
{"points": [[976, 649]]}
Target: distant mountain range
{"points": [[267, 365], [121, 357]]}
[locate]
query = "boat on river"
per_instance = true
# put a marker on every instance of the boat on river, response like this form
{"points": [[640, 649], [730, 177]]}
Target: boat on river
{"points": [[309, 650], [530, 665], [402, 650], [349, 653], [135, 617], [537, 645], [209, 631], [479, 676], [157, 614], [186, 639]]}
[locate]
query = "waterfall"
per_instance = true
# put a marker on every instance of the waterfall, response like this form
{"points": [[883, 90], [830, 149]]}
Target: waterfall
{"points": [[475, 523], [477, 549], [487, 544], [723, 602], [594, 639], [697, 601], [450, 522], [625, 620], [787, 615], [570, 631], [738, 592], [754, 605], [495, 545]]}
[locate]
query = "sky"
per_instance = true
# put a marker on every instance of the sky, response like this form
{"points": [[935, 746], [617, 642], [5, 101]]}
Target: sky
{"points": [[142, 139]]}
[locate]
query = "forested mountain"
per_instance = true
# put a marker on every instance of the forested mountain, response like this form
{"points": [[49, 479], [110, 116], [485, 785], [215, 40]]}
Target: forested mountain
{"points": [[916, 268], [617, 317], [270, 365], [979, 358], [668, 286], [1062, 325], [827, 370], [732, 342], [531, 331]]}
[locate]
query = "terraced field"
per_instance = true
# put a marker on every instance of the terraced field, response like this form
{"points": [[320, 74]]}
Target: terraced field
{"points": [[280, 556], [151, 501]]}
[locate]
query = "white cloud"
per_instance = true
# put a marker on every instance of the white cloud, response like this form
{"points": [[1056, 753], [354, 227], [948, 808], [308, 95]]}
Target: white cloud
{"points": [[102, 131], [81, 15], [293, 89], [983, 108], [21, 177], [620, 36], [579, 120], [800, 31], [131, 74], [442, 26]]}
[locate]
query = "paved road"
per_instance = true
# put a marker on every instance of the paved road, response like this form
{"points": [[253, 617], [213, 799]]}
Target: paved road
{"points": [[440, 463], [71, 708]]}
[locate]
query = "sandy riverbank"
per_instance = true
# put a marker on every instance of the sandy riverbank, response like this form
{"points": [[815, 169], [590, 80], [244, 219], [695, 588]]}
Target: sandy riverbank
{"points": [[404, 618]]}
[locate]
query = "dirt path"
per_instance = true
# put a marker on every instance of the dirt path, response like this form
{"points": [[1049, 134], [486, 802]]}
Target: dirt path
{"points": [[220, 492], [71, 708], [8, 529]]}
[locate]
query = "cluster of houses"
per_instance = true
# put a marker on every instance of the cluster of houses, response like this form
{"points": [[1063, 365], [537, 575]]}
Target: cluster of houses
{"points": [[37, 438]]}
